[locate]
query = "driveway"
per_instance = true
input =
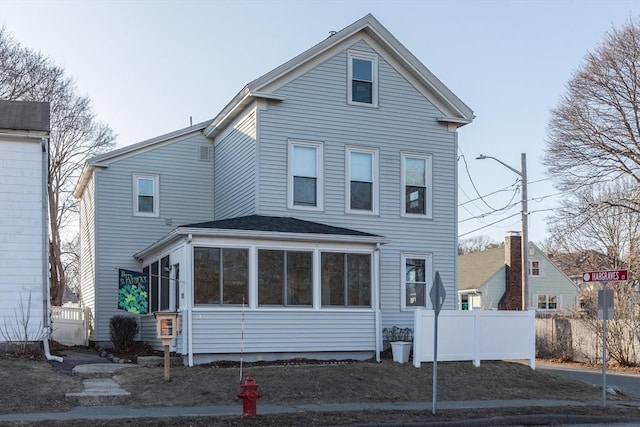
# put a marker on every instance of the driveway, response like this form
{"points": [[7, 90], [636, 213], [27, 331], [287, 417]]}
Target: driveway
{"points": [[628, 383]]}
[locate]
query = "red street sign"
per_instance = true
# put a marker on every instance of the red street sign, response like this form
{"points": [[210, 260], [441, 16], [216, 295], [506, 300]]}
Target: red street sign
{"points": [[605, 276]]}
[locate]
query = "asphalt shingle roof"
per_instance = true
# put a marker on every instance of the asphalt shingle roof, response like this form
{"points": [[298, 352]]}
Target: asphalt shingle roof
{"points": [[278, 225], [476, 268], [24, 115]]}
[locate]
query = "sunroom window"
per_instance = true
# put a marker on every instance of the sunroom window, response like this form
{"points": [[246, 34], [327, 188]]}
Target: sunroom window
{"points": [[285, 278], [346, 279], [221, 275]]}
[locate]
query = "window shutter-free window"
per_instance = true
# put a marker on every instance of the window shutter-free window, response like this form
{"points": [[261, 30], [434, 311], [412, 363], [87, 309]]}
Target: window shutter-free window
{"points": [[145, 195], [416, 185], [362, 186], [305, 175], [362, 87]]}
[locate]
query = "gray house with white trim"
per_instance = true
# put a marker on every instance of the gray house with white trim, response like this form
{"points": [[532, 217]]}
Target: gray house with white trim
{"points": [[310, 213]]}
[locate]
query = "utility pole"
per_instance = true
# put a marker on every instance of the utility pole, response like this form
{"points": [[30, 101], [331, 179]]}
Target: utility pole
{"points": [[525, 223]]}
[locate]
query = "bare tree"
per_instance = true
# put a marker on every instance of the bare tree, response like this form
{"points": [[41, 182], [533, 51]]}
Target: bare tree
{"points": [[76, 135], [594, 132], [475, 244]]}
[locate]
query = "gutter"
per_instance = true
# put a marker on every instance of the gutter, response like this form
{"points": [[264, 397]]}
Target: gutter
{"points": [[45, 252]]}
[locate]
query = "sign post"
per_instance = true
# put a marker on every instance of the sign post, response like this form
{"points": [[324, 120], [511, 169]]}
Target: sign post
{"points": [[604, 277], [437, 295]]}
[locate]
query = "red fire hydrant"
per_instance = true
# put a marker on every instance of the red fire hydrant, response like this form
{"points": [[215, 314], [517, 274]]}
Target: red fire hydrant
{"points": [[249, 396]]}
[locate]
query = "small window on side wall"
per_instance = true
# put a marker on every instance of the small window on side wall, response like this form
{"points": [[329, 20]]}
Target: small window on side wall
{"points": [[362, 79], [145, 195]]}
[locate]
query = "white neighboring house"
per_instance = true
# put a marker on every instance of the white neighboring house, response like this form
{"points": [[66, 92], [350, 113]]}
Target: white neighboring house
{"points": [[24, 286], [491, 279]]}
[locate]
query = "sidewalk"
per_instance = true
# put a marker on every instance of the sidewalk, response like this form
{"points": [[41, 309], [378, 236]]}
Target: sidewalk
{"points": [[122, 411]]}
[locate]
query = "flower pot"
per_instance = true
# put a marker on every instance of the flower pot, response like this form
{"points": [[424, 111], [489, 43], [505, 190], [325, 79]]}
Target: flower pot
{"points": [[401, 351]]}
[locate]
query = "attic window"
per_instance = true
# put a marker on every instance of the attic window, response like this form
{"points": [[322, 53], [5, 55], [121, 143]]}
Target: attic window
{"points": [[363, 79], [205, 153]]}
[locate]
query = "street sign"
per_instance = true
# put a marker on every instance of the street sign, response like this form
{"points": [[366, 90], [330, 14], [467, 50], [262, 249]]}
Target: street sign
{"points": [[605, 276], [437, 293]]}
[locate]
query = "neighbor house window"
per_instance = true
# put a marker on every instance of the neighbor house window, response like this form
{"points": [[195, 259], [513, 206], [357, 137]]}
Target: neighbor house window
{"points": [[363, 78], [416, 185], [145, 197], [345, 279], [464, 302], [535, 268], [362, 183], [547, 302], [220, 275], [285, 278], [305, 175], [416, 271]]}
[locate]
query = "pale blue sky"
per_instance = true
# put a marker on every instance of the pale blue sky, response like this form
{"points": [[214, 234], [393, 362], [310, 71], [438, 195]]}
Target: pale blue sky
{"points": [[149, 66]]}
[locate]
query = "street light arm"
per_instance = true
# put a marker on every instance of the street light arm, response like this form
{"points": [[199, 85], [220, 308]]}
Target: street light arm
{"points": [[482, 157]]}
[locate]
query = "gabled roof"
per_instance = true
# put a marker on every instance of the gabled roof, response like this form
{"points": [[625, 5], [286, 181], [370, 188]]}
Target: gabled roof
{"points": [[453, 109], [103, 160], [266, 227], [476, 268]]}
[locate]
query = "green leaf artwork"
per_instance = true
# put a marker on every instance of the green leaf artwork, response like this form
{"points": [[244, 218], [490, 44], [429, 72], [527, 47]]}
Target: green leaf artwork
{"points": [[133, 294]]}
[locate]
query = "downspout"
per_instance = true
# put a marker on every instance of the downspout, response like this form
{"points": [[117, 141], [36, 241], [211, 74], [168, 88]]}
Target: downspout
{"points": [[189, 293], [45, 252], [377, 317]]}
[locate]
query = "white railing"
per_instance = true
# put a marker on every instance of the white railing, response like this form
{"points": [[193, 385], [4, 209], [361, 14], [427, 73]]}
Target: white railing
{"points": [[70, 325], [475, 335]]}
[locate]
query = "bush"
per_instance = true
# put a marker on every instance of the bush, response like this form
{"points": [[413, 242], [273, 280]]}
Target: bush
{"points": [[123, 330]]}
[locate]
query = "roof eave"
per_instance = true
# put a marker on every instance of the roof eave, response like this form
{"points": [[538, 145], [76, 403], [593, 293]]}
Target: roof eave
{"points": [[235, 107]]}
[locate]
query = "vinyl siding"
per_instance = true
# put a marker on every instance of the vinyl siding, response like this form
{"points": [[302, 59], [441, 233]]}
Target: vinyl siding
{"points": [[186, 196], [494, 289], [315, 108], [235, 170], [551, 282], [282, 331], [21, 239], [88, 249]]}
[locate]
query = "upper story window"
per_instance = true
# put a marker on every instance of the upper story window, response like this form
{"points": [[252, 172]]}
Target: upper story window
{"points": [[362, 181], [535, 268], [416, 185], [145, 197], [305, 175], [417, 270], [363, 78]]}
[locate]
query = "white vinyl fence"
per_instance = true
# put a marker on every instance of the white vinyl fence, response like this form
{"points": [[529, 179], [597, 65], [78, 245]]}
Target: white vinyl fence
{"points": [[475, 335], [70, 325]]}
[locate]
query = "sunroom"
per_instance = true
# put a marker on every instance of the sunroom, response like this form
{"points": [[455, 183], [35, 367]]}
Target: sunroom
{"points": [[266, 288]]}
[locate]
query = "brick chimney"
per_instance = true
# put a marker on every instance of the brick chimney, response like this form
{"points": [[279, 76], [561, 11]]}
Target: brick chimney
{"points": [[512, 298]]}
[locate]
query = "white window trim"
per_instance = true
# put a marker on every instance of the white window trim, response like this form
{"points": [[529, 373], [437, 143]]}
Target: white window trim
{"points": [[540, 268], [318, 145], [374, 175], [428, 182], [558, 302], [351, 54], [427, 257], [156, 195]]}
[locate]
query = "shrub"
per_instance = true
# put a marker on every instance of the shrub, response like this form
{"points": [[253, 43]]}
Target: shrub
{"points": [[123, 330]]}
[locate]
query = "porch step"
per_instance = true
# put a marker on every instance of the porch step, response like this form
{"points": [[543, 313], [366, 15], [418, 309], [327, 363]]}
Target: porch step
{"points": [[147, 361], [99, 392]]}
